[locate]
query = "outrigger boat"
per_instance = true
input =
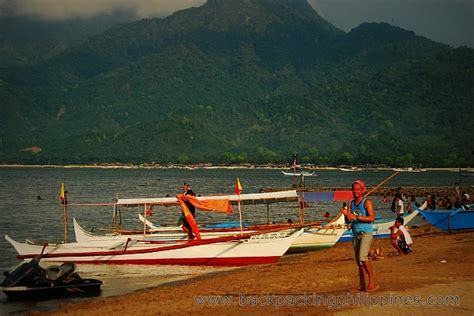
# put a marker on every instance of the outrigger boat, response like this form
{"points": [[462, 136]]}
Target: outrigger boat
{"points": [[237, 250], [299, 173], [381, 227], [351, 169], [409, 169], [450, 220], [314, 236]]}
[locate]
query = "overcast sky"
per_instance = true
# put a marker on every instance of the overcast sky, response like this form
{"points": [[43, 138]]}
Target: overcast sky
{"points": [[446, 21]]}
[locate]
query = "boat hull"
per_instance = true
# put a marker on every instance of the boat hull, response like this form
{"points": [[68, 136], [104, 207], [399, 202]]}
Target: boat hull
{"points": [[261, 249], [450, 220], [381, 229], [299, 174], [316, 238]]}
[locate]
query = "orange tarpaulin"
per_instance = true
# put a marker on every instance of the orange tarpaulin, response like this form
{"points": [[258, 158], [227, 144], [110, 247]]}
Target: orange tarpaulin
{"points": [[187, 214], [205, 205], [223, 206]]}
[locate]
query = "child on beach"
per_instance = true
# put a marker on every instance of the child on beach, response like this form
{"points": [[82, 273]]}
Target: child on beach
{"points": [[400, 238], [361, 215]]}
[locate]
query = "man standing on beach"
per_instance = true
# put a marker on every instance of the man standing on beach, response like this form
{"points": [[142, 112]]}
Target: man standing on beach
{"points": [[360, 216], [186, 226]]}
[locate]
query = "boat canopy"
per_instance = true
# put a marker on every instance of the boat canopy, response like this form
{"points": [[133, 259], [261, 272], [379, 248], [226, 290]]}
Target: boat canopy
{"points": [[250, 198], [326, 196]]}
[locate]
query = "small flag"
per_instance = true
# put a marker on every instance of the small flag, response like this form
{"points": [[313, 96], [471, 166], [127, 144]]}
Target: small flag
{"points": [[238, 187], [62, 194], [61, 191]]}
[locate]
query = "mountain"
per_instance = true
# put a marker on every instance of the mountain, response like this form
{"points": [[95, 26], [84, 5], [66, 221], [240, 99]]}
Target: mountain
{"points": [[26, 40], [238, 81]]}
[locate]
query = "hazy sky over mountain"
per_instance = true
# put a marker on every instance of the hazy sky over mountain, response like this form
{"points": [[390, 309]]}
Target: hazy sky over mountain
{"points": [[446, 21]]}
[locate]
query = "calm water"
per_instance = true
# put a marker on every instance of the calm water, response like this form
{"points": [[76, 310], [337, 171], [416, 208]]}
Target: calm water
{"points": [[23, 216]]}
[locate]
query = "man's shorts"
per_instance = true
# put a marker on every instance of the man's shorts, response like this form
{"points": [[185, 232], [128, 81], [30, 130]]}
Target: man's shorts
{"points": [[362, 243]]}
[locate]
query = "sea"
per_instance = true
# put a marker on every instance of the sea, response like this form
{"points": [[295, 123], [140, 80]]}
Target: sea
{"points": [[30, 210]]}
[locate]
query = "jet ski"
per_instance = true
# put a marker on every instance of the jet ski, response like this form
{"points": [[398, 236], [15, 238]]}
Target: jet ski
{"points": [[30, 281]]}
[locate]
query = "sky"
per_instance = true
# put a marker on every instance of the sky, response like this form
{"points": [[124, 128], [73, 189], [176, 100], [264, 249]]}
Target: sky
{"points": [[446, 21]]}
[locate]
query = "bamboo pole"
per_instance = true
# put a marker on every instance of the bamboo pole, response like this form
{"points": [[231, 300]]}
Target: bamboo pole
{"points": [[65, 219], [240, 217], [63, 199], [381, 183], [144, 222], [268, 214]]}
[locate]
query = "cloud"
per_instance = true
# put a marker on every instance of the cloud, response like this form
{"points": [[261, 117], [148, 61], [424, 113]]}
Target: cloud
{"points": [[64, 9]]}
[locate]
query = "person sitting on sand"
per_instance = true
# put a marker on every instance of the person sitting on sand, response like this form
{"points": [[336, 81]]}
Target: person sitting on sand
{"points": [[400, 238], [361, 216]]}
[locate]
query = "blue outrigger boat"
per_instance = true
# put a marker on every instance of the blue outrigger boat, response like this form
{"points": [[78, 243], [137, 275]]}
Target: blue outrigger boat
{"points": [[450, 220]]}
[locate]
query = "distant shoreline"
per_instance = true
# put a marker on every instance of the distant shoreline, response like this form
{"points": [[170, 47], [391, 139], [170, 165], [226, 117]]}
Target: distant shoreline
{"points": [[211, 166]]}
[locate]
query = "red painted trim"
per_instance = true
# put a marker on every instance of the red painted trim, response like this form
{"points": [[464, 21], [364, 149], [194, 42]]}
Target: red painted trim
{"points": [[237, 261]]}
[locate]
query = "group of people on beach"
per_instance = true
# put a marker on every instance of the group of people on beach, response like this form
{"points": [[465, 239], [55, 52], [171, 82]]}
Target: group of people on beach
{"points": [[454, 200]]}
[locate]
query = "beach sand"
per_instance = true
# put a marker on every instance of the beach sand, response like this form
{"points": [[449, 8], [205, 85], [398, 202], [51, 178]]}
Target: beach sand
{"points": [[436, 279]]}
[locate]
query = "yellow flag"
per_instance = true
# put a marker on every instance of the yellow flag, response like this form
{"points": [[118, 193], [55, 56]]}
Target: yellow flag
{"points": [[238, 187], [61, 192]]}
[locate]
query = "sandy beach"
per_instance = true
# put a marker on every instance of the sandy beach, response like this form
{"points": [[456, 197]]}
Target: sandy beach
{"points": [[436, 279]]}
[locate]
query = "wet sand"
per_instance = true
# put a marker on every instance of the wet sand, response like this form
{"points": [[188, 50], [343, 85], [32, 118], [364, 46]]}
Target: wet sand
{"points": [[436, 279]]}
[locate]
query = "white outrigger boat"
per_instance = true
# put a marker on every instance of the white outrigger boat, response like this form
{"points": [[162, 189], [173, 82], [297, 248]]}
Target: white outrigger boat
{"points": [[299, 173], [314, 236], [234, 250], [241, 248]]}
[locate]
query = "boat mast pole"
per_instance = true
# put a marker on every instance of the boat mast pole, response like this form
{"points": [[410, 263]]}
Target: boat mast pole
{"points": [[144, 222], [301, 205], [294, 169], [268, 214], [238, 189], [240, 216], [65, 219], [63, 199]]}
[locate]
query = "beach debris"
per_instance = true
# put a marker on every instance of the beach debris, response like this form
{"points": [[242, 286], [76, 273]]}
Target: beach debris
{"points": [[443, 261]]}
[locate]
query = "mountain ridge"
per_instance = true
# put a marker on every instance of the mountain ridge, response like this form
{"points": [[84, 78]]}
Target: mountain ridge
{"points": [[139, 92]]}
